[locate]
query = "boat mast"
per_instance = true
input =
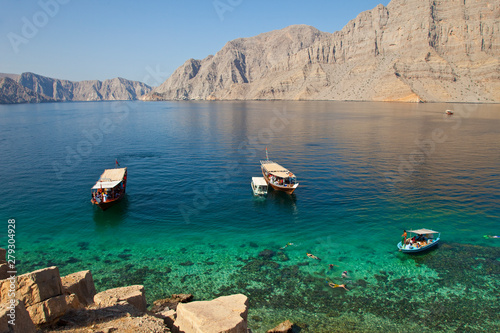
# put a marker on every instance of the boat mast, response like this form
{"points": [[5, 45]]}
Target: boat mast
{"points": [[267, 157]]}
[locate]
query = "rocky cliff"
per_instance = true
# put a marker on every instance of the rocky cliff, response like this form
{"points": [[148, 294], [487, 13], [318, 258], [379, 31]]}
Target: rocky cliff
{"points": [[411, 50], [49, 89], [12, 92]]}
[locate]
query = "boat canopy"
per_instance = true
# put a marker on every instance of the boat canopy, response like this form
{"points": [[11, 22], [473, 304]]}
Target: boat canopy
{"points": [[276, 169], [259, 181], [423, 231], [111, 175], [106, 185]]}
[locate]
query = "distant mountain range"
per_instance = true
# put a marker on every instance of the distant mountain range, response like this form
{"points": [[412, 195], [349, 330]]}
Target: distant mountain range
{"points": [[33, 88], [411, 50]]}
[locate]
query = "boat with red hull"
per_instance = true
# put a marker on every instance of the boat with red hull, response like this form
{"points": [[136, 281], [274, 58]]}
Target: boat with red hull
{"points": [[110, 188], [278, 177]]}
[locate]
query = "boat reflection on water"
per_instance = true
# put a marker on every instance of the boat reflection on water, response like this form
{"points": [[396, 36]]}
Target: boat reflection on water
{"points": [[113, 216], [283, 200]]}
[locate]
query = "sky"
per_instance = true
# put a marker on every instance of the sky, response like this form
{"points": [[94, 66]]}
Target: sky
{"points": [[144, 40]]}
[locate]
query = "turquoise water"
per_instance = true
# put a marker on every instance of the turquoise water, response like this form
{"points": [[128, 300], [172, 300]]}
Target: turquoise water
{"points": [[190, 224]]}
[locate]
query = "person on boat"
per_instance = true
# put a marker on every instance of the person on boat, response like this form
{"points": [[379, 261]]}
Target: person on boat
{"points": [[334, 285], [310, 255], [403, 241]]}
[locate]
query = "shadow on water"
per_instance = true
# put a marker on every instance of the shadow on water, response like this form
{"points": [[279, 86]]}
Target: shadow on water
{"points": [[113, 216], [283, 200]]}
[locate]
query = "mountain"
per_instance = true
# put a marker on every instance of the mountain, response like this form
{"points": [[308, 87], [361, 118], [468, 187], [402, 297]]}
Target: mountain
{"points": [[12, 92], [64, 90], [411, 50]]}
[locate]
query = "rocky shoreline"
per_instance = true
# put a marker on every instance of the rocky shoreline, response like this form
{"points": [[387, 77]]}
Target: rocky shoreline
{"points": [[43, 301]]}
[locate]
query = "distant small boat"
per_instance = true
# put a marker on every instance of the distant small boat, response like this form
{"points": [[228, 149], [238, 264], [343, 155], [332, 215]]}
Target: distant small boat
{"points": [[278, 177], [259, 186], [422, 240], [449, 112], [110, 188]]}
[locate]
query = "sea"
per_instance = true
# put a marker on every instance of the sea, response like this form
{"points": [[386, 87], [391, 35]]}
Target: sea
{"points": [[190, 223]]}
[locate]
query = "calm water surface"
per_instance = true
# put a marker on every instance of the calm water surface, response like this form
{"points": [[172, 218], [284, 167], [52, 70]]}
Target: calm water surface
{"points": [[190, 223]]}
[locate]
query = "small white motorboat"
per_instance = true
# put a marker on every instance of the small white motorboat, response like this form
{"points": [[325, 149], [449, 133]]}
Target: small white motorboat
{"points": [[259, 186], [419, 240]]}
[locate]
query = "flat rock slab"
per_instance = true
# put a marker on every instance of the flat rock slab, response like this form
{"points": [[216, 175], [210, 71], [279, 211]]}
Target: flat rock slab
{"points": [[133, 295], [226, 314]]}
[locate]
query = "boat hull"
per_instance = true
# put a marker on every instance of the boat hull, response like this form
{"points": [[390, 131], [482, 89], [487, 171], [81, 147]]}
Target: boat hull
{"points": [[109, 203], [286, 189], [420, 249]]}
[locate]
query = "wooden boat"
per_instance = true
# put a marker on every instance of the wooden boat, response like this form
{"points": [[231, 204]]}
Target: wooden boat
{"points": [[449, 112], [259, 186], [422, 240], [110, 188], [278, 177]]}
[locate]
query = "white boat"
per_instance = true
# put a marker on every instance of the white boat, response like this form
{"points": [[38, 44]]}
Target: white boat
{"points": [[419, 240], [259, 186]]}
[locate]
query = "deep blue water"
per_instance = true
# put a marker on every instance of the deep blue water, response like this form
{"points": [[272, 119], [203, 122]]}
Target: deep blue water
{"points": [[190, 223]]}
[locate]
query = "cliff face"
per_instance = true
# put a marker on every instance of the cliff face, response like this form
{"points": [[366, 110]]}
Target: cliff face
{"points": [[411, 50], [33, 88], [12, 92], [63, 90]]}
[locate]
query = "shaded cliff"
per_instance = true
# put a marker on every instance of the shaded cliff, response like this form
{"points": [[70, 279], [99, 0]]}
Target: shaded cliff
{"points": [[12, 92], [49, 89], [411, 50], [63, 90]]}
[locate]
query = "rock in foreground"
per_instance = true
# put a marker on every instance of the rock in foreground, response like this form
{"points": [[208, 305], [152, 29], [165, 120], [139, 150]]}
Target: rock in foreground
{"points": [[226, 314], [81, 284], [133, 295]]}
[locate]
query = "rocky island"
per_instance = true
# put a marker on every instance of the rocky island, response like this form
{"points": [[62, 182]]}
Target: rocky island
{"points": [[409, 51]]}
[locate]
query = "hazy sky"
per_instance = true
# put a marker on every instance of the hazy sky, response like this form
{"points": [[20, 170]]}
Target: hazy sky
{"points": [[144, 40]]}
